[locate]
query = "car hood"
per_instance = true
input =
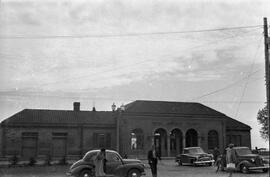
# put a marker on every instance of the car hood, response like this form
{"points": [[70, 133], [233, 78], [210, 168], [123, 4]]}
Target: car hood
{"points": [[249, 156], [128, 161]]}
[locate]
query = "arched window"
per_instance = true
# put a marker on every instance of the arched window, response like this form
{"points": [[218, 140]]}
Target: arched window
{"points": [[191, 138], [137, 139], [212, 139]]}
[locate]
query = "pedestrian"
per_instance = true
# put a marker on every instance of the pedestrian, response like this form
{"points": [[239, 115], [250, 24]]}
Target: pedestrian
{"points": [[216, 153], [153, 157], [99, 163], [230, 159]]}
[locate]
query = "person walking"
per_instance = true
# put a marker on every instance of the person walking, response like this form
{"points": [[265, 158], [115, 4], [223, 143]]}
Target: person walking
{"points": [[230, 159], [99, 163], [153, 157]]}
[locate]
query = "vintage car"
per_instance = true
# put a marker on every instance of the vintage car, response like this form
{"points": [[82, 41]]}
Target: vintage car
{"points": [[194, 156], [246, 161], [115, 166]]}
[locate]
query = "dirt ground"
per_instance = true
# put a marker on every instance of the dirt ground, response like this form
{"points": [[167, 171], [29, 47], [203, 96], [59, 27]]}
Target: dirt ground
{"points": [[166, 168]]}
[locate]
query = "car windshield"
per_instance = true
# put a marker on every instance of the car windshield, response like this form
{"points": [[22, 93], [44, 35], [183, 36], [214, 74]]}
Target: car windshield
{"points": [[243, 151], [195, 151]]}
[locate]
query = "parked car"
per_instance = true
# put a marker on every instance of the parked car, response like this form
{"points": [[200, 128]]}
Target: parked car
{"points": [[194, 156], [246, 161], [115, 166]]}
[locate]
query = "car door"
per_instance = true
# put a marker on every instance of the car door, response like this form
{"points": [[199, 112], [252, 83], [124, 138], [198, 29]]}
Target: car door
{"points": [[112, 163]]}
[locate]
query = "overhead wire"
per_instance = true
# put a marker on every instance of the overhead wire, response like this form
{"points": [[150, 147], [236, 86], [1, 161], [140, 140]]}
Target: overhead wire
{"points": [[248, 77], [123, 35], [130, 65]]}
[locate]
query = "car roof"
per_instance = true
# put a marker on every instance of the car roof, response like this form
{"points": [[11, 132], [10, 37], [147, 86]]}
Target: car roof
{"points": [[240, 147], [192, 148], [98, 150]]}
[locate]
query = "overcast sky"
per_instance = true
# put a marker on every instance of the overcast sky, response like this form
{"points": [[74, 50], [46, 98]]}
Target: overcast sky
{"points": [[53, 53]]}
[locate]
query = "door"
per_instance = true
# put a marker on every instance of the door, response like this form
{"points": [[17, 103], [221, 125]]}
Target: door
{"points": [[59, 147], [113, 162], [29, 147]]}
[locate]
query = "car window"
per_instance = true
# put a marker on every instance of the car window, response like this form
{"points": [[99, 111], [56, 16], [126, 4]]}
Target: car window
{"points": [[243, 151], [89, 156], [185, 151], [112, 157], [196, 151]]}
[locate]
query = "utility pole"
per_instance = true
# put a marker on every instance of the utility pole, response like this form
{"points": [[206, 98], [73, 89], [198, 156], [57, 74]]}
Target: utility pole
{"points": [[267, 66]]}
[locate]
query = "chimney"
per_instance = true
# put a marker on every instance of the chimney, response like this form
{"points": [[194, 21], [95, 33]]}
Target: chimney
{"points": [[76, 106]]}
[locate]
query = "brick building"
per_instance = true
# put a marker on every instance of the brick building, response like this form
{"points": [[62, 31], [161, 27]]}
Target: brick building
{"points": [[170, 125]]}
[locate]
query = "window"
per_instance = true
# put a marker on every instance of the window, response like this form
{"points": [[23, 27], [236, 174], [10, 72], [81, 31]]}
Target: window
{"points": [[137, 139], [212, 139], [102, 140], [29, 144], [112, 157]]}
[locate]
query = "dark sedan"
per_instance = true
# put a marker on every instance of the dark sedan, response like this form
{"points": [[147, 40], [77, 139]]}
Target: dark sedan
{"points": [[115, 166], [194, 156]]}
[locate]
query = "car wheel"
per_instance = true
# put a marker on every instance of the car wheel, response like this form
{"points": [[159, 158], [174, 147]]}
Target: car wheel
{"points": [[209, 164], [134, 173], [86, 173], [265, 170], [244, 169]]}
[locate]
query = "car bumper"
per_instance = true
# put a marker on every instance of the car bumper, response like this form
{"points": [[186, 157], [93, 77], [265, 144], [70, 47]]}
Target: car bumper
{"points": [[68, 174], [143, 173], [266, 166], [204, 162]]}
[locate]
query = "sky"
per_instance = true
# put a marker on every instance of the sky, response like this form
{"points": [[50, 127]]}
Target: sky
{"points": [[101, 52]]}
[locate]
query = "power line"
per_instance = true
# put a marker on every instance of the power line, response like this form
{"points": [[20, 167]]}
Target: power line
{"points": [[226, 87], [248, 76], [130, 65], [124, 35]]}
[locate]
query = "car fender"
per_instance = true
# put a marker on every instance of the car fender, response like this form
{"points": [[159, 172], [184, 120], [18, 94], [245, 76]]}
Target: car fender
{"points": [[124, 169], [244, 162], [78, 169]]}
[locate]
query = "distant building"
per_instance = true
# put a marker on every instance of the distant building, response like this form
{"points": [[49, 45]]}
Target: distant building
{"points": [[131, 130]]}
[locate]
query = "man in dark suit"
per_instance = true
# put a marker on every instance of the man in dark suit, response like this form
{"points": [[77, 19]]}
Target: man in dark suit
{"points": [[153, 157]]}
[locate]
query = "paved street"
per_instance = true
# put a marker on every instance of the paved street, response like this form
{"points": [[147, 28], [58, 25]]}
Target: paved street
{"points": [[165, 169]]}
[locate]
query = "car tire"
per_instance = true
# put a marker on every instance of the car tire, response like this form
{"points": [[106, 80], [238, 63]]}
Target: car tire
{"points": [[244, 169], [265, 170], [134, 173], [86, 173], [210, 164]]}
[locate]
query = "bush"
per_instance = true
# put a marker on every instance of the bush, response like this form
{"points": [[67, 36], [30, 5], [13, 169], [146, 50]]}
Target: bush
{"points": [[14, 160], [48, 160], [32, 161], [63, 161]]}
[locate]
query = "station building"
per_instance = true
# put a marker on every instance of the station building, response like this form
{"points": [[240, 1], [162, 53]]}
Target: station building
{"points": [[131, 130]]}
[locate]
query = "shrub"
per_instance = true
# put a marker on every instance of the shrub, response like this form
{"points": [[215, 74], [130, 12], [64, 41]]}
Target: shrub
{"points": [[63, 161], [14, 160], [32, 161]]}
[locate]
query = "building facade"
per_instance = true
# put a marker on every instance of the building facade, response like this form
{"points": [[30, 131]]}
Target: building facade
{"points": [[171, 126]]}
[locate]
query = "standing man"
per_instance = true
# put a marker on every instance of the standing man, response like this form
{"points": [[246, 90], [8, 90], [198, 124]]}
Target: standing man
{"points": [[153, 157]]}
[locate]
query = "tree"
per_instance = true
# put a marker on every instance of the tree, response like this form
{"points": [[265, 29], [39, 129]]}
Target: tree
{"points": [[263, 120]]}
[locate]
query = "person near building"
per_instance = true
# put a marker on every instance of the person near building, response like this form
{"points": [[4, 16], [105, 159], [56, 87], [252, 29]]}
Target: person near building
{"points": [[230, 159], [99, 163], [216, 153], [153, 156]]}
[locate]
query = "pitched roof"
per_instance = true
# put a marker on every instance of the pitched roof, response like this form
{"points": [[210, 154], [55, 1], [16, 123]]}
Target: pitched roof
{"points": [[60, 117], [190, 108], [185, 108]]}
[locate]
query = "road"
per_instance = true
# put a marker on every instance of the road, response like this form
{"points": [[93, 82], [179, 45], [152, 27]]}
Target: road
{"points": [[165, 169]]}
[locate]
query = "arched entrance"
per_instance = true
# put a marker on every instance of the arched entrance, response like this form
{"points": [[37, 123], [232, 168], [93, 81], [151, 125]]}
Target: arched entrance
{"points": [[212, 139], [160, 140], [176, 145], [191, 138]]}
